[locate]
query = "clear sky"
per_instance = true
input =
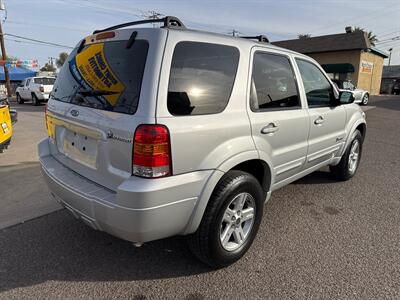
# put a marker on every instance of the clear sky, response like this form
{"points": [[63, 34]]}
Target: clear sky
{"points": [[67, 21]]}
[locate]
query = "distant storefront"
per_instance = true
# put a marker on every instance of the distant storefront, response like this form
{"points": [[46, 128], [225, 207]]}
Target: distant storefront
{"points": [[344, 56], [390, 80]]}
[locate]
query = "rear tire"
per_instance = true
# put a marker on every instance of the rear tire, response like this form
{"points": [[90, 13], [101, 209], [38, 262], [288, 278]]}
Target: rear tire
{"points": [[230, 221], [19, 99], [350, 161], [35, 100]]}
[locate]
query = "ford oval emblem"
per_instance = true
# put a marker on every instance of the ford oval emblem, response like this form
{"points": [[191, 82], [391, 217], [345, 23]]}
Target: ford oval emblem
{"points": [[74, 113]]}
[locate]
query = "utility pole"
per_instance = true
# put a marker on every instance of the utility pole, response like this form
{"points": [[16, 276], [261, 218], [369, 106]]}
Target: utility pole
{"points": [[234, 32], [153, 15], [51, 59], [4, 55], [390, 55]]}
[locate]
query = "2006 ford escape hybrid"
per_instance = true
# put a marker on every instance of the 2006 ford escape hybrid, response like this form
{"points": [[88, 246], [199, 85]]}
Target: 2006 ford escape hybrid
{"points": [[155, 132]]}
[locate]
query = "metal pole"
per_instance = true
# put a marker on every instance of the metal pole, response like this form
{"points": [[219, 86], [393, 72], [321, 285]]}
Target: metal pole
{"points": [[390, 56], [4, 57]]}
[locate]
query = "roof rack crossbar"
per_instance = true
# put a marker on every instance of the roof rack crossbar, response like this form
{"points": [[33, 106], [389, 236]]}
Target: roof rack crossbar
{"points": [[260, 38], [169, 22]]}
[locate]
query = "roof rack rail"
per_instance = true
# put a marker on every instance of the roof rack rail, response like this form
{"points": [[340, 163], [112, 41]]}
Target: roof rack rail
{"points": [[260, 38], [169, 22]]}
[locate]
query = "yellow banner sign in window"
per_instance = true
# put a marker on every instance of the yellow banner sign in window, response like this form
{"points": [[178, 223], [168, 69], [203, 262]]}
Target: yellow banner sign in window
{"points": [[94, 71]]}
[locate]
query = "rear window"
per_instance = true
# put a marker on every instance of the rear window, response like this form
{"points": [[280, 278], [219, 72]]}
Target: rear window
{"points": [[201, 78], [44, 81], [106, 76]]}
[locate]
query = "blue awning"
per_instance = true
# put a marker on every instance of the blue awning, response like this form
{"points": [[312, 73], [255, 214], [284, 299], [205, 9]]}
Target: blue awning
{"points": [[17, 73]]}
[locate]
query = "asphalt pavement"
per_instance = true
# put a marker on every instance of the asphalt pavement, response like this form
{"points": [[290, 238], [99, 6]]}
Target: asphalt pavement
{"points": [[319, 239], [24, 194]]}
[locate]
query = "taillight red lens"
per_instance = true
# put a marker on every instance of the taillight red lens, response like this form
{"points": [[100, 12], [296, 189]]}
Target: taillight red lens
{"points": [[151, 151]]}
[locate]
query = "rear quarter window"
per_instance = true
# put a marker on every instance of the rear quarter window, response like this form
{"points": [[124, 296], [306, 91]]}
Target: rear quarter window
{"points": [[201, 78]]}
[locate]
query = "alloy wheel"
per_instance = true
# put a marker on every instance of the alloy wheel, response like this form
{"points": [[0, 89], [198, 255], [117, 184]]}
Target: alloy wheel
{"points": [[237, 221]]}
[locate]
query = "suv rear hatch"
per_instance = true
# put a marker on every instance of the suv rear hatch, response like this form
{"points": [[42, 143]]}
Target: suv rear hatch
{"points": [[107, 87]]}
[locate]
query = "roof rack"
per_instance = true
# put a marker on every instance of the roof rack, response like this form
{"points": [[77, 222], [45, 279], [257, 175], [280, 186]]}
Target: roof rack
{"points": [[261, 38], [169, 22]]}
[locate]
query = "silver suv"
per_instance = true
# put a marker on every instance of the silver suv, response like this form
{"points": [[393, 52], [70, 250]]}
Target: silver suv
{"points": [[156, 132]]}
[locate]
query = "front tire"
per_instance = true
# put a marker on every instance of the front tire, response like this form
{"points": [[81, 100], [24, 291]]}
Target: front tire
{"points": [[19, 99], [365, 99], [231, 220], [350, 161]]}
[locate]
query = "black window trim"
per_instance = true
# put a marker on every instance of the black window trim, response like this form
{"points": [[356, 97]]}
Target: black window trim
{"points": [[298, 107], [233, 84], [296, 58]]}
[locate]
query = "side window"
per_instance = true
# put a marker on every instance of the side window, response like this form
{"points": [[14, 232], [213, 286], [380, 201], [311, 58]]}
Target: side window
{"points": [[201, 78], [273, 83], [318, 89]]}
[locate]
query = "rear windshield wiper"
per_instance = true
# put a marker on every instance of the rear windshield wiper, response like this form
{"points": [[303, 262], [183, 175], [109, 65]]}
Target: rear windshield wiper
{"points": [[95, 92]]}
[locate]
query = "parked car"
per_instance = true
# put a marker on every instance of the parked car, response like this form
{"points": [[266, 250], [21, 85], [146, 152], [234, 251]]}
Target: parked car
{"points": [[35, 89], [156, 132], [396, 87], [7, 118], [360, 96]]}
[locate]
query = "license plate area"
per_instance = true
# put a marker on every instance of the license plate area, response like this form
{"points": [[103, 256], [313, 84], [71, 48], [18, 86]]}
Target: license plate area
{"points": [[76, 146]]}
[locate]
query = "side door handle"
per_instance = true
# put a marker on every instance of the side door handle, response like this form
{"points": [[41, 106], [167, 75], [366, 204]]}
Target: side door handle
{"points": [[319, 120], [270, 128]]}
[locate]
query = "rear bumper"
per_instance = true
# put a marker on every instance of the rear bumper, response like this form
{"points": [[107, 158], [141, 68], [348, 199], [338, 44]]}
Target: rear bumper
{"points": [[140, 210], [42, 96], [5, 144]]}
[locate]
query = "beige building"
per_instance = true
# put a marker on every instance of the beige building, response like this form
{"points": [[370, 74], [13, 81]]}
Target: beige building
{"points": [[345, 56]]}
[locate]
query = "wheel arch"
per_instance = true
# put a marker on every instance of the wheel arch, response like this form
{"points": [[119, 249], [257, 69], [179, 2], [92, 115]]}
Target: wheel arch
{"points": [[259, 168], [362, 127], [358, 125]]}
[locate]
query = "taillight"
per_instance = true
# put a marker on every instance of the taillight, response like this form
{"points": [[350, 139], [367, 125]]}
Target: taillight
{"points": [[152, 152], [41, 89]]}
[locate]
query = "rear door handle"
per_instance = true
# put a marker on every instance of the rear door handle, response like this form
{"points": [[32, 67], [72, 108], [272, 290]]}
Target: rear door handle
{"points": [[270, 128], [319, 120]]}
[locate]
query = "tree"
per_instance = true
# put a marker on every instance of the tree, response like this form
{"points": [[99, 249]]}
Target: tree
{"points": [[62, 57], [11, 58], [48, 68], [304, 36], [371, 37]]}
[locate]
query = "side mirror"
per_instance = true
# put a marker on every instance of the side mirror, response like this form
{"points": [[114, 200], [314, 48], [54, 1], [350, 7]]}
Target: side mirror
{"points": [[346, 97]]}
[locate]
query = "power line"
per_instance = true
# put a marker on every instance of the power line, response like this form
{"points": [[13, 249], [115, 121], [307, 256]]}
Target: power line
{"points": [[46, 25], [30, 43], [396, 38], [38, 41], [386, 34], [354, 20]]}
